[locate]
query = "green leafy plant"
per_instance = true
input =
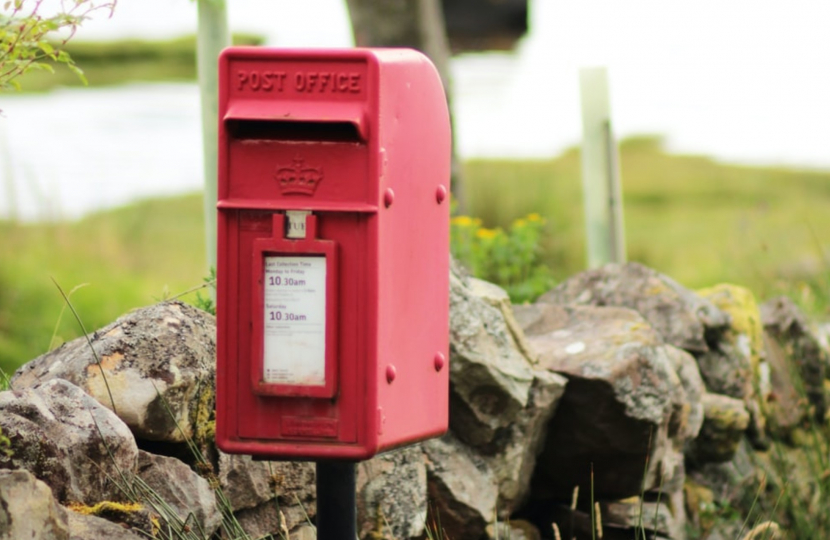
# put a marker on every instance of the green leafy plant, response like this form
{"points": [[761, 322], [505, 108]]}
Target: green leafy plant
{"points": [[205, 302], [511, 258], [5, 445], [27, 31], [800, 505]]}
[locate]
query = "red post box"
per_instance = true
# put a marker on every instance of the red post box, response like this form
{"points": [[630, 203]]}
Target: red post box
{"points": [[333, 252]]}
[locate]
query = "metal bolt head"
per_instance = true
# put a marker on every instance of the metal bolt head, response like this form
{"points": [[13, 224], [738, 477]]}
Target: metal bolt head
{"points": [[391, 373], [440, 193], [388, 197], [439, 361]]}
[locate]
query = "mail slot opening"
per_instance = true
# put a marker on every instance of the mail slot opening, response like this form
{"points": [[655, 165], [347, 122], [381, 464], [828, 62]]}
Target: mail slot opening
{"points": [[294, 131]]}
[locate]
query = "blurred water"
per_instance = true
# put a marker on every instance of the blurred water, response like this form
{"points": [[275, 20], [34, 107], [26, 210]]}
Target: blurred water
{"points": [[70, 152], [742, 82]]}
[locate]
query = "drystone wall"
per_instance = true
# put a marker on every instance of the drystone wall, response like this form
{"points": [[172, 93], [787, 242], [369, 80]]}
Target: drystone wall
{"points": [[618, 394]]}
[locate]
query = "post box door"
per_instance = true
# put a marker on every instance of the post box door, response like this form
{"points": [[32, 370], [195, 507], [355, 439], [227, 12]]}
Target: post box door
{"points": [[316, 413]]}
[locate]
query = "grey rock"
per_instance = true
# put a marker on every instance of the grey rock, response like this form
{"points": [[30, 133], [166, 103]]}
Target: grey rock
{"points": [[28, 510], [659, 518], [681, 317], [514, 530], [671, 474], [688, 416], [621, 396], [730, 484], [725, 421], [802, 345], [500, 403], [178, 494], [263, 521], [304, 532], [727, 371], [134, 517], [679, 522], [245, 482], [514, 462], [731, 367], [784, 408], [498, 298], [266, 494], [392, 495], [85, 527], [157, 362], [462, 488], [68, 440], [734, 366], [490, 378]]}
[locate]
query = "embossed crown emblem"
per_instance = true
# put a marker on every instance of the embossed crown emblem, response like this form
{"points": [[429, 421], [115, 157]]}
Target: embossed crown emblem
{"points": [[299, 179]]}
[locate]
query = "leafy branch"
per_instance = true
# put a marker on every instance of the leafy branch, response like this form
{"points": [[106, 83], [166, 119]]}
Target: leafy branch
{"points": [[27, 31]]}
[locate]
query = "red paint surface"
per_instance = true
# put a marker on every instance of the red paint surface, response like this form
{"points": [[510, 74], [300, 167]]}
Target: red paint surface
{"points": [[331, 131]]}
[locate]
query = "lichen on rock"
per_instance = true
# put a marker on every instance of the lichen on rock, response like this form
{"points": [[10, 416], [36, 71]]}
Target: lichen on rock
{"points": [[154, 367], [734, 365]]}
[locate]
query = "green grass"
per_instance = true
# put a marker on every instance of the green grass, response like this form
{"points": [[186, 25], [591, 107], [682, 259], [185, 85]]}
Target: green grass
{"points": [[698, 221], [129, 257], [123, 61]]}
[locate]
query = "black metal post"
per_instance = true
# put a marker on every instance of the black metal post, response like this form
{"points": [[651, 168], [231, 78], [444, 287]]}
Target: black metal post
{"points": [[336, 504]]}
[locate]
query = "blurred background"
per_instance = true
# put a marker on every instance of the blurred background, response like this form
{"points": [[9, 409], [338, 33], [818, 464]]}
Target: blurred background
{"points": [[720, 110]]}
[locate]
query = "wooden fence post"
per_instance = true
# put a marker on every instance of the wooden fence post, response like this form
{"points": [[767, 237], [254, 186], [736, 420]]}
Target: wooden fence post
{"points": [[600, 173], [212, 37]]}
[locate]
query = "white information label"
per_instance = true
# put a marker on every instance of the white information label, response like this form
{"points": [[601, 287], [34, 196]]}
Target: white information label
{"points": [[295, 321]]}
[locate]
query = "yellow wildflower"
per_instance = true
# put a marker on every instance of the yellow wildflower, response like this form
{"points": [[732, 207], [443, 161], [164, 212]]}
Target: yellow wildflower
{"points": [[487, 234], [534, 217], [462, 221]]}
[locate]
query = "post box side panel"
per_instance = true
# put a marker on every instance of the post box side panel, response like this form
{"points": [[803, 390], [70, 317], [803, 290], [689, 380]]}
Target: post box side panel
{"points": [[223, 182], [414, 253], [226, 411], [226, 337]]}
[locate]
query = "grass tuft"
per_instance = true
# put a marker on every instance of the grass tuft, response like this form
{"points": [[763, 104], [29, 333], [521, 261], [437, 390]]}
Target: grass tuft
{"points": [[88, 341]]}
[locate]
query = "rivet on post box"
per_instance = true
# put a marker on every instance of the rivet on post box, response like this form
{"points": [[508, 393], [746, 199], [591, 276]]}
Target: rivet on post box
{"points": [[333, 252]]}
